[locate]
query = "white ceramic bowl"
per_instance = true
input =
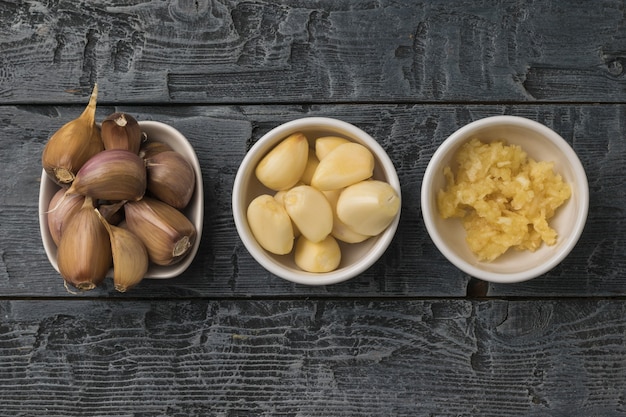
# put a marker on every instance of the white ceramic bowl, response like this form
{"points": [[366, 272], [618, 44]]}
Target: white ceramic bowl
{"points": [[540, 143], [355, 258], [156, 131]]}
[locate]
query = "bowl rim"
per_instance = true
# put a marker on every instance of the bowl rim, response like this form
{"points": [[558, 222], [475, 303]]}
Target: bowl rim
{"points": [[260, 255], [196, 217], [582, 196]]}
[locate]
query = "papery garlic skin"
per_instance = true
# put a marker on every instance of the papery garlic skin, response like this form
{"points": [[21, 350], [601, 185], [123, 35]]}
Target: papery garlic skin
{"points": [[61, 209], [121, 131], [170, 178], [84, 252], [368, 207], [270, 224], [310, 211], [283, 166], [115, 175], [345, 165], [322, 256], [112, 211], [130, 257], [150, 148], [165, 231], [70, 147]]}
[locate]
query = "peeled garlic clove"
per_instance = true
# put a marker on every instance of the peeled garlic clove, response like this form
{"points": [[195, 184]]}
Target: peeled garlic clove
{"points": [[151, 148], [170, 178], [270, 225], [325, 144], [116, 174], [130, 257], [368, 207], [340, 230], [121, 131], [323, 256], [345, 165], [311, 165], [60, 210], [72, 145], [284, 165], [280, 198], [166, 232], [310, 211], [84, 252]]}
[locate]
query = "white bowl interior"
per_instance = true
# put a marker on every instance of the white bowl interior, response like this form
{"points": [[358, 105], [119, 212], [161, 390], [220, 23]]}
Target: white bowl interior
{"points": [[355, 258], [156, 131], [541, 144]]}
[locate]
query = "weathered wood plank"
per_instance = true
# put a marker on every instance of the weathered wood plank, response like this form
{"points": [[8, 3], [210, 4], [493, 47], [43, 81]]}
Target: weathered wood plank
{"points": [[410, 134], [327, 51], [313, 358]]}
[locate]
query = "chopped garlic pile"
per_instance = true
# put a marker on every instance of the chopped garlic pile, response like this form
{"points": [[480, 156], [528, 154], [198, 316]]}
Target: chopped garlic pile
{"points": [[504, 198]]}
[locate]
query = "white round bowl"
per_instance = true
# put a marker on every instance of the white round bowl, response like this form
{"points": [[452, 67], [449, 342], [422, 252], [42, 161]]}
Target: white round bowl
{"points": [[541, 144], [156, 131], [355, 258]]}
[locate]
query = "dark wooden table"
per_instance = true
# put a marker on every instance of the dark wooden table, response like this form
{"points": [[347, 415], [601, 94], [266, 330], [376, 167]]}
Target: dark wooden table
{"points": [[412, 336]]}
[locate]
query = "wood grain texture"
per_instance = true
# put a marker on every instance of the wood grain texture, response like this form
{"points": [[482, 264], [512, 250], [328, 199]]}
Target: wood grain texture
{"points": [[231, 51], [412, 336], [313, 358], [409, 133]]}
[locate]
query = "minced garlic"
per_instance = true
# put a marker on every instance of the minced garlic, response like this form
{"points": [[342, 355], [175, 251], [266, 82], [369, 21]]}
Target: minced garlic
{"points": [[503, 198]]}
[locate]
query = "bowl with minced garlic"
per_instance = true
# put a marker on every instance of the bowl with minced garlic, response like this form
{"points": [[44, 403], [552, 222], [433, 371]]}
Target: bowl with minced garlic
{"points": [[316, 201], [505, 199]]}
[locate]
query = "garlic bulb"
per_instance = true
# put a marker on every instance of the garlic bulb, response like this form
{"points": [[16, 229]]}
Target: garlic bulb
{"points": [[60, 210], [166, 232], [72, 145], [84, 252], [130, 257], [170, 178], [121, 131], [115, 174]]}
